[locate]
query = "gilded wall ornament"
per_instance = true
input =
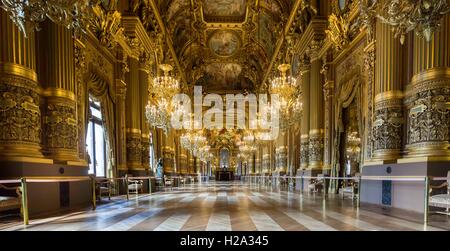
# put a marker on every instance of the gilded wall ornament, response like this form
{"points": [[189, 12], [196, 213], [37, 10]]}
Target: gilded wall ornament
{"points": [[105, 25], [338, 31], [28, 14], [423, 16]]}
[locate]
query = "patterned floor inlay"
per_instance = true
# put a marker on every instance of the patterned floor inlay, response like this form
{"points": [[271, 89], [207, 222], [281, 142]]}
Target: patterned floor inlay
{"points": [[222, 206]]}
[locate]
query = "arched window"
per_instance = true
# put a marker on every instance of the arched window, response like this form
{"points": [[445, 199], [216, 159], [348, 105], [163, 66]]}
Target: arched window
{"points": [[95, 140]]}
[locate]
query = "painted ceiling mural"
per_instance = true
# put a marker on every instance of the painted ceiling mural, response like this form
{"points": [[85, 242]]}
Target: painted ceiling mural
{"points": [[224, 44], [224, 8]]}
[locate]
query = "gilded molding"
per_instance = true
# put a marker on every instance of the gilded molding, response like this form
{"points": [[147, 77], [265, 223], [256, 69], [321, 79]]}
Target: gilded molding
{"points": [[59, 92], [18, 70]]}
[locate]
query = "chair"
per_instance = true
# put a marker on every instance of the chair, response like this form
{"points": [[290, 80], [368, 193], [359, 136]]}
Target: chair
{"points": [[10, 202], [135, 186], [316, 185], [441, 200], [351, 188], [168, 182], [103, 186]]}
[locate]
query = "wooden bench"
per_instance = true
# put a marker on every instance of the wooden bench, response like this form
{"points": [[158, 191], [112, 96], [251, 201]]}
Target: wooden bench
{"points": [[10, 202]]}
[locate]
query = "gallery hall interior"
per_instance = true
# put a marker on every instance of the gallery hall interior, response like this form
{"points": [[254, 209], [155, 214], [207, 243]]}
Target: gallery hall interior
{"points": [[224, 115]]}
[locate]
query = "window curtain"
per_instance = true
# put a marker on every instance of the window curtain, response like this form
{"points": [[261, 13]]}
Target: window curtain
{"points": [[350, 91], [99, 89]]}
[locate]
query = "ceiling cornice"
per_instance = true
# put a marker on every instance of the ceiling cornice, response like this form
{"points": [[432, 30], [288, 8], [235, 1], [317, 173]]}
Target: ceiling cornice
{"points": [[168, 40], [281, 40]]}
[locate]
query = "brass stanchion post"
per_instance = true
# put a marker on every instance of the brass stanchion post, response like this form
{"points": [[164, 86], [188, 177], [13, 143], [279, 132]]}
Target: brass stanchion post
{"points": [[426, 200], [149, 185], [126, 187], [23, 182], [94, 196]]}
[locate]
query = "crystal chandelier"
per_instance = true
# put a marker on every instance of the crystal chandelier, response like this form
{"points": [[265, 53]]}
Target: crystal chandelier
{"points": [[195, 142], [164, 88], [246, 149], [353, 145], [158, 115], [290, 103]]}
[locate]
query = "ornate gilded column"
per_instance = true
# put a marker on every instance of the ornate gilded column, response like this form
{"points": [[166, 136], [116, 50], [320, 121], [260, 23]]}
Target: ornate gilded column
{"points": [[257, 166], [328, 94], [191, 165], [198, 166], [388, 117], [144, 78], [304, 130], [121, 134], [133, 117], [20, 116], [428, 96], [281, 159], [316, 126], [57, 75], [183, 160], [168, 153]]}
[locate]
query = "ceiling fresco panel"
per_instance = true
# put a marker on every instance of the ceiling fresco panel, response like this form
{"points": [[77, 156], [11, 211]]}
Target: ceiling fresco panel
{"points": [[224, 10], [224, 43]]}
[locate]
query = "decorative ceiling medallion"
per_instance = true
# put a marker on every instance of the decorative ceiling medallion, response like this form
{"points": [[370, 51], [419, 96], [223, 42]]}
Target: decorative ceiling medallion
{"points": [[224, 43], [224, 10]]}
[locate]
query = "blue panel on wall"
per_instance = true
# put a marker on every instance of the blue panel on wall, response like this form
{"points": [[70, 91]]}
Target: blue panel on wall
{"points": [[386, 198]]}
